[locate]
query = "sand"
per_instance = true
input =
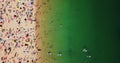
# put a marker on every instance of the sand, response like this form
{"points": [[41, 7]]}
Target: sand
{"points": [[23, 31], [18, 37], [42, 39]]}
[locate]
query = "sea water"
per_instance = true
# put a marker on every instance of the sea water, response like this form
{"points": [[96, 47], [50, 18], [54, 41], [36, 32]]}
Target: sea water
{"points": [[83, 31]]}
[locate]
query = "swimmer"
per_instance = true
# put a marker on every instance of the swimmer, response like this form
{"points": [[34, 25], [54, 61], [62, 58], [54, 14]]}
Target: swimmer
{"points": [[85, 50], [89, 56], [49, 53], [59, 54]]}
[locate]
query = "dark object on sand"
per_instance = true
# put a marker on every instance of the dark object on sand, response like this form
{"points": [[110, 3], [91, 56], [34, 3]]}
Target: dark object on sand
{"points": [[39, 49], [0, 39], [0, 25]]}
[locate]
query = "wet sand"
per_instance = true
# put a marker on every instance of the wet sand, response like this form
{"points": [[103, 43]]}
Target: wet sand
{"points": [[40, 30]]}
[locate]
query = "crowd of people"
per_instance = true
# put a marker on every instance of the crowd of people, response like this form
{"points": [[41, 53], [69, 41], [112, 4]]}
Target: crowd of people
{"points": [[17, 31]]}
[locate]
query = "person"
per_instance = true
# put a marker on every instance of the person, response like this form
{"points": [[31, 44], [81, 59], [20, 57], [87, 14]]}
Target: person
{"points": [[0, 39], [49, 53], [59, 54], [85, 50]]}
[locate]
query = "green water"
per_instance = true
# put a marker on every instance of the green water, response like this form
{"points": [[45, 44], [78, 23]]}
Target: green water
{"points": [[92, 28], [89, 24], [59, 35]]}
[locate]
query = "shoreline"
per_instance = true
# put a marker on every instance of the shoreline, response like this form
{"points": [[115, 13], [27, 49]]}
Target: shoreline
{"points": [[42, 39]]}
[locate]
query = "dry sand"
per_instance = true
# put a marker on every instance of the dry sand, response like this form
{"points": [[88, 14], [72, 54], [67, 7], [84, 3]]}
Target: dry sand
{"points": [[18, 35]]}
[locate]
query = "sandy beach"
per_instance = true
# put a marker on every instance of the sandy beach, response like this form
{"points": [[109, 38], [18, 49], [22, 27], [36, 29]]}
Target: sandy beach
{"points": [[22, 31], [17, 38]]}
